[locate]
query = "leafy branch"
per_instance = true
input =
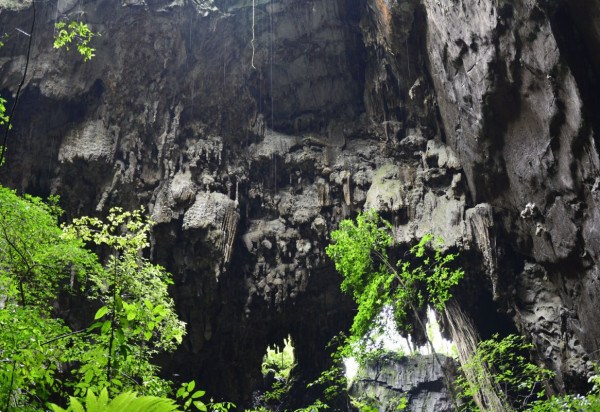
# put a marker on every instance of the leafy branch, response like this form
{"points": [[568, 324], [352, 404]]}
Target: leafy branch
{"points": [[77, 33], [360, 253]]}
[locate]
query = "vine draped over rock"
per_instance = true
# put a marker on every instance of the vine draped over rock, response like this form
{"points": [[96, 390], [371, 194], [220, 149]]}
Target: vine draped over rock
{"points": [[424, 278], [360, 253]]}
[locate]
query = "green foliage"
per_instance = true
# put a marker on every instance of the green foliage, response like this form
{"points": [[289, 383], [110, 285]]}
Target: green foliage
{"points": [[29, 367], [276, 369], [333, 381], [124, 402], [137, 319], [3, 115], [507, 363], [78, 33], [360, 253], [221, 406], [276, 394], [131, 402], [315, 407], [189, 398], [3, 38], [36, 264], [402, 404], [365, 404], [571, 403], [280, 361], [567, 403], [41, 356]]}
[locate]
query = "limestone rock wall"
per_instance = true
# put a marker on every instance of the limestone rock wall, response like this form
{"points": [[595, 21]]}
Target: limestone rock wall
{"points": [[248, 133], [514, 88], [418, 379], [177, 113]]}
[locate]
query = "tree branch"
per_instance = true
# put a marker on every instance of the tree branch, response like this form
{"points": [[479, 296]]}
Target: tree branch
{"points": [[422, 325]]}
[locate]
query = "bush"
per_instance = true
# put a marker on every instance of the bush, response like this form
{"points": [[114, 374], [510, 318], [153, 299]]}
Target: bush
{"points": [[506, 363]]}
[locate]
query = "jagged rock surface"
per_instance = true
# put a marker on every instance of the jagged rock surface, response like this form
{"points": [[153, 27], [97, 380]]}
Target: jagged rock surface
{"points": [[384, 382], [514, 89], [469, 119]]}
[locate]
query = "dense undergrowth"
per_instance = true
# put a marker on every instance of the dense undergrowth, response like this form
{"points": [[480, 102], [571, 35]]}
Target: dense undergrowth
{"points": [[131, 317]]}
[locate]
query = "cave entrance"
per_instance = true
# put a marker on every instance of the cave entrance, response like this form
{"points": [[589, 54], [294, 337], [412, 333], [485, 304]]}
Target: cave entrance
{"points": [[277, 364], [387, 339], [279, 360]]}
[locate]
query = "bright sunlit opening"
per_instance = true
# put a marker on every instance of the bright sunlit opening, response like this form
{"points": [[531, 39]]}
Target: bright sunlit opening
{"points": [[392, 341]]}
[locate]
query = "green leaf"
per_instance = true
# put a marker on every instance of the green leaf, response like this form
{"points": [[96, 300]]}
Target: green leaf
{"points": [[94, 326], [76, 406], [119, 335], [181, 392], [200, 406], [101, 312], [106, 327], [91, 402], [103, 398]]}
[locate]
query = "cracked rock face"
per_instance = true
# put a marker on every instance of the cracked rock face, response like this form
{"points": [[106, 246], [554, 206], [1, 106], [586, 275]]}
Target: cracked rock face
{"points": [[384, 382], [248, 133], [515, 101]]}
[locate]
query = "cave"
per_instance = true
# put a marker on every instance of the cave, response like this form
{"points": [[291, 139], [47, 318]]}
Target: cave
{"points": [[248, 130]]}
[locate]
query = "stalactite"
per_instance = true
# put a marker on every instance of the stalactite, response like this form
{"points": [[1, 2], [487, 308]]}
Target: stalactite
{"points": [[274, 172], [481, 224], [228, 229], [489, 395], [346, 176]]}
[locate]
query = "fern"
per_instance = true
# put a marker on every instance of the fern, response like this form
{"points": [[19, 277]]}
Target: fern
{"points": [[124, 402]]}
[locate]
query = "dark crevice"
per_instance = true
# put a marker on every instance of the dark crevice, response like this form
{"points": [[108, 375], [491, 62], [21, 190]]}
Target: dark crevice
{"points": [[571, 27]]}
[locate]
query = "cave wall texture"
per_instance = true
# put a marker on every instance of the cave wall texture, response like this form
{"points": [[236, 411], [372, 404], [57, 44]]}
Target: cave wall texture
{"points": [[475, 120], [417, 379]]}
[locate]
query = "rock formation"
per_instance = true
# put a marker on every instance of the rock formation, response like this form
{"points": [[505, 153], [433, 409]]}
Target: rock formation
{"points": [[386, 381], [249, 129]]}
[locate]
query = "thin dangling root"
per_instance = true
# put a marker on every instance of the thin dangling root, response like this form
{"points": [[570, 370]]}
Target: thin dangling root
{"points": [[252, 42]]}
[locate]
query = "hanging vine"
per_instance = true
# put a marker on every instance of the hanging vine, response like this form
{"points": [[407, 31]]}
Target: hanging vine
{"points": [[253, 37]]}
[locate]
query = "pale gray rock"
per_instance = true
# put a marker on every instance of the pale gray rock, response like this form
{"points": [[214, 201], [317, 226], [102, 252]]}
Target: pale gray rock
{"points": [[384, 382], [93, 142]]}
